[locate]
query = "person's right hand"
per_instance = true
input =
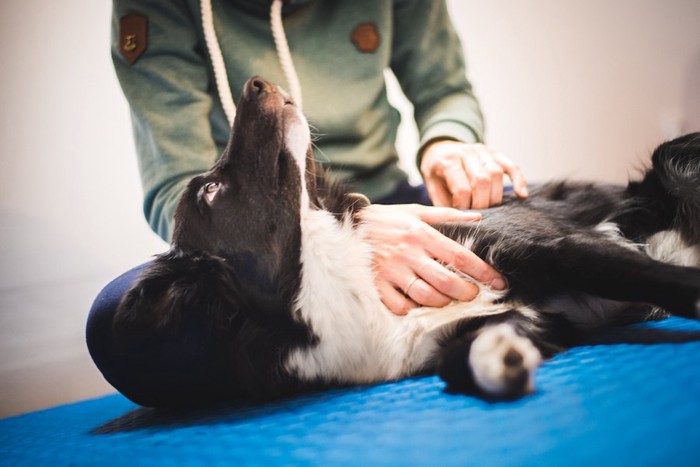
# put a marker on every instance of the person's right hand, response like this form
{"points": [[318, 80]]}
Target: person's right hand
{"points": [[410, 257]]}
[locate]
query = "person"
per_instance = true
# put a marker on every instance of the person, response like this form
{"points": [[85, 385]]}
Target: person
{"points": [[179, 62]]}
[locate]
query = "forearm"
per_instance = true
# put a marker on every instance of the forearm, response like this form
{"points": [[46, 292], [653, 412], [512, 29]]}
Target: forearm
{"points": [[428, 61], [166, 88]]}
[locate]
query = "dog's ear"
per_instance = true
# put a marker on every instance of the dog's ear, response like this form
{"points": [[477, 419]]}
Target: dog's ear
{"points": [[177, 288], [677, 166]]}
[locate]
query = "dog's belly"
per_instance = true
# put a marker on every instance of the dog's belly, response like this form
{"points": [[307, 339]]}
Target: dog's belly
{"points": [[368, 344], [359, 340]]}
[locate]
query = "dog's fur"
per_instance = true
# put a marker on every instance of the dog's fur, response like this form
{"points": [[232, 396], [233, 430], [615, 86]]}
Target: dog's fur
{"points": [[273, 256]]}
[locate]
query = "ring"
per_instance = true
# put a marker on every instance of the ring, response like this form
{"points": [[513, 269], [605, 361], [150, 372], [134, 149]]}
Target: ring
{"points": [[408, 286]]}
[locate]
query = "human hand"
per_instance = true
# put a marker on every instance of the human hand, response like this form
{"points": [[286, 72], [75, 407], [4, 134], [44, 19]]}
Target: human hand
{"points": [[468, 176], [410, 257]]}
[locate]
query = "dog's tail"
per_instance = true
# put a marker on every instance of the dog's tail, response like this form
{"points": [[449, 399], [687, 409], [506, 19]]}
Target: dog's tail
{"points": [[676, 165]]}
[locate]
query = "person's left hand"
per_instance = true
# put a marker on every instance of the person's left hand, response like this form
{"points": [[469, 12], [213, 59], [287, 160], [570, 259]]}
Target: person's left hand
{"points": [[468, 176]]}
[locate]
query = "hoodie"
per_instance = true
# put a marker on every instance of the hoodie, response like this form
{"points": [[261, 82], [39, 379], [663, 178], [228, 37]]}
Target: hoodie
{"points": [[340, 50]]}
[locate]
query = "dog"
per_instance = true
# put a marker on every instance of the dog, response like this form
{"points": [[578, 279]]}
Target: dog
{"points": [[274, 257]]}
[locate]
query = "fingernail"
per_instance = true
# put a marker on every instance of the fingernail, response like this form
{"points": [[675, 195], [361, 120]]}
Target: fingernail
{"points": [[498, 284]]}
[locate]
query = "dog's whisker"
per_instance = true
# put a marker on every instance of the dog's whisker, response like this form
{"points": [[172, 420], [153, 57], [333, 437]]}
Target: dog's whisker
{"points": [[315, 132], [320, 152]]}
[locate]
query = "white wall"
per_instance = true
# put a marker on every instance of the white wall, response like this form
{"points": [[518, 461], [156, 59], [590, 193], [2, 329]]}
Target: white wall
{"points": [[69, 189], [569, 88], [583, 88]]}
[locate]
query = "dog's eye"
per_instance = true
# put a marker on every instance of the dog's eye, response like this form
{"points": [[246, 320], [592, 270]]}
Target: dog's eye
{"points": [[210, 190]]}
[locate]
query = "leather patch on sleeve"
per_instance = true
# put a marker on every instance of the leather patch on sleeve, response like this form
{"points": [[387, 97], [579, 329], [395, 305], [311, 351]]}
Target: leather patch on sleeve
{"points": [[366, 37], [133, 36]]}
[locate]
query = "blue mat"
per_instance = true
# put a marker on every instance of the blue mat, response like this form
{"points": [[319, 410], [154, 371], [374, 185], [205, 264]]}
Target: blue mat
{"points": [[632, 397]]}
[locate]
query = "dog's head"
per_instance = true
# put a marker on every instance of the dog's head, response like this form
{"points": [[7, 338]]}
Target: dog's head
{"points": [[676, 165], [250, 201], [235, 256]]}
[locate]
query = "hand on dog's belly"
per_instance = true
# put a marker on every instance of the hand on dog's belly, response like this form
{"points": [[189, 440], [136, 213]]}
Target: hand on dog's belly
{"points": [[410, 257]]}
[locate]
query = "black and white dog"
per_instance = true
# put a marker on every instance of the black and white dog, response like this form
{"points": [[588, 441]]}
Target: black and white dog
{"points": [[273, 256]]}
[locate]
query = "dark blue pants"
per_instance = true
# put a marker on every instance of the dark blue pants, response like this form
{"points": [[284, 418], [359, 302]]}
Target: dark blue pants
{"points": [[184, 369]]}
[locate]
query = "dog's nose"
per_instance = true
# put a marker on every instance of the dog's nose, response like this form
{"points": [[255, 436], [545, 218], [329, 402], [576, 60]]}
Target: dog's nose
{"points": [[257, 86]]}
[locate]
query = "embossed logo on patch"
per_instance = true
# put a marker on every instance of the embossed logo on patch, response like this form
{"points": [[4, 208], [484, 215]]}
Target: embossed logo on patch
{"points": [[366, 37], [133, 36]]}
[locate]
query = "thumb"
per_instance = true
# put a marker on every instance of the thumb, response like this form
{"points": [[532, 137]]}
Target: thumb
{"points": [[435, 215]]}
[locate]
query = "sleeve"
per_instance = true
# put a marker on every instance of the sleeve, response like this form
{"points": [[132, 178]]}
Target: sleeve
{"points": [[166, 88], [428, 61]]}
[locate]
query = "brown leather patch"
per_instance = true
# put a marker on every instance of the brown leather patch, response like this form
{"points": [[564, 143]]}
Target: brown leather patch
{"points": [[366, 37], [133, 36]]}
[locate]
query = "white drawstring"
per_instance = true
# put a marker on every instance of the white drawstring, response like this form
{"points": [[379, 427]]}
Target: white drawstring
{"points": [[283, 53], [217, 62], [217, 58]]}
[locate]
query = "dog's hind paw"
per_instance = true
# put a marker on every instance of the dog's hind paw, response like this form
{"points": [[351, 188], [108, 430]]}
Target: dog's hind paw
{"points": [[503, 363]]}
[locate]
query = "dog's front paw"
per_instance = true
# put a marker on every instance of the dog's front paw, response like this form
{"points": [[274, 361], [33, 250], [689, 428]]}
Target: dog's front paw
{"points": [[502, 363]]}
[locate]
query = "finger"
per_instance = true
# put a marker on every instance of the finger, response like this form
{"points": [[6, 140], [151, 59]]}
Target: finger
{"points": [[496, 186], [409, 281], [447, 282], [514, 173], [495, 172], [424, 294], [437, 192], [436, 215], [450, 252], [458, 185], [394, 300], [479, 180]]}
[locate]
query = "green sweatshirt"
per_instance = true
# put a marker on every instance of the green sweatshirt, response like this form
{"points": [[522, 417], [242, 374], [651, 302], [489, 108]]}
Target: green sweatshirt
{"points": [[340, 50]]}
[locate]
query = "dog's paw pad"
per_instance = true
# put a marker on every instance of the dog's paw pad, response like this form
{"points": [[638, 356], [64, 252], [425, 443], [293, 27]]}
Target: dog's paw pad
{"points": [[504, 363]]}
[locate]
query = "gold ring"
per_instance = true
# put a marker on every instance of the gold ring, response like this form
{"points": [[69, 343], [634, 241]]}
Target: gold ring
{"points": [[408, 286]]}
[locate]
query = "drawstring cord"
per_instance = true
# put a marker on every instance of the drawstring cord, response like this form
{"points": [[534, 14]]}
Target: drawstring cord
{"points": [[283, 53], [217, 61], [221, 77]]}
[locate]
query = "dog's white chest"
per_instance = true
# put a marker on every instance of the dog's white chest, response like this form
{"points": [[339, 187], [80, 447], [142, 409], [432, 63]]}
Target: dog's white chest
{"points": [[338, 300], [360, 341]]}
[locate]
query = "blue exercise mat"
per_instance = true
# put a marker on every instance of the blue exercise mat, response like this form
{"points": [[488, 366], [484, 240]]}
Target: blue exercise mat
{"points": [[631, 397]]}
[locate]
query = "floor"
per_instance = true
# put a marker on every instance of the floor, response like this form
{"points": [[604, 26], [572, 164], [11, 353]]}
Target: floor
{"points": [[43, 357]]}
